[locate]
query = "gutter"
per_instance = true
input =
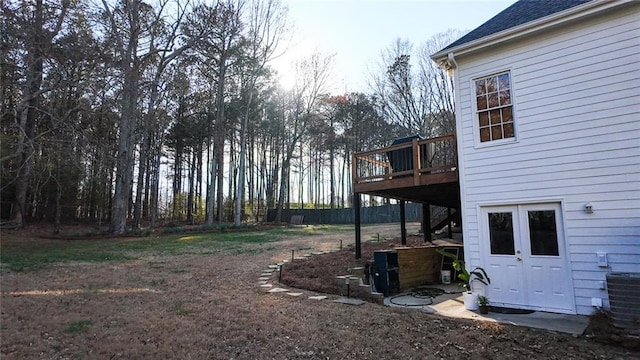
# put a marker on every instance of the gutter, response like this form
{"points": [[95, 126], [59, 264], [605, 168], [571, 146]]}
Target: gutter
{"points": [[532, 27], [449, 63]]}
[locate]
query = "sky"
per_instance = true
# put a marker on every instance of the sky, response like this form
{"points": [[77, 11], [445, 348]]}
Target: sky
{"points": [[357, 31]]}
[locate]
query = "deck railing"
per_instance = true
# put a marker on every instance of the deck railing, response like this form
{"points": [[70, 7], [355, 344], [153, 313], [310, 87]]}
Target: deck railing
{"points": [[412, 159]]}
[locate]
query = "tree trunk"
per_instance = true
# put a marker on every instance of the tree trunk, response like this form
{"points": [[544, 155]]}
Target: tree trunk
{"points": [[284, 185], [177, 178], [144, 154], [142, 171], [27, 115], [284, 181], [241, 165], [147, 189], [124, 158], [211, 175], [155, 190], [332, 177], [218, 144], [56, 223], [199, 179], [190, 202]]}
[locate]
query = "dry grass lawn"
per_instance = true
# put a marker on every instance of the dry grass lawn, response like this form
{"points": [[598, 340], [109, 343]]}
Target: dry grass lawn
{"points": [[209, 305]]}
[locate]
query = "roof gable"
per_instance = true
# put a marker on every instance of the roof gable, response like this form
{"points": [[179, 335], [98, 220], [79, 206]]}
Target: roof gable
{"points": [[521, 12]]}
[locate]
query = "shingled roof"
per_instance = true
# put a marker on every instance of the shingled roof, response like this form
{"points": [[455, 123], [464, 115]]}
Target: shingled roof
{"points": [[519, 13]]}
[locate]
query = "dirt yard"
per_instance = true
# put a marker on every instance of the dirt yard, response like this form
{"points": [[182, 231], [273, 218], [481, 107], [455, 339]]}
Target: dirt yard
{"points": [[211, 306]]}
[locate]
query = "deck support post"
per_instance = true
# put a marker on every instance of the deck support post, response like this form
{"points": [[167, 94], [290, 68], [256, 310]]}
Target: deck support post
{"points": [[426, 222], [403, 224], [356, 209]]}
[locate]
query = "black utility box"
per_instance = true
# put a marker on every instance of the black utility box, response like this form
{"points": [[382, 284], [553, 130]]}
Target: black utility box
{"points": [[402, 159], [386, 275]]}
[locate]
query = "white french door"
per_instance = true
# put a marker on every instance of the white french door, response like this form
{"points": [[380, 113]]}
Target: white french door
{"points": [[524, 254]]}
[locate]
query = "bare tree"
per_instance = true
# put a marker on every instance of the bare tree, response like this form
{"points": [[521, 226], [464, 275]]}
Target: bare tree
{"points": [[162, 49], [40, 24], [139, 36], [395, 87], [312, 77], [411, 91], [219, 50], [125, 29], [437, 83], [266, 27]]}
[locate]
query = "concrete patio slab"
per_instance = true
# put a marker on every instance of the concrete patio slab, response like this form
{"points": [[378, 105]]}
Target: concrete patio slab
{"points": [[451, 304]]}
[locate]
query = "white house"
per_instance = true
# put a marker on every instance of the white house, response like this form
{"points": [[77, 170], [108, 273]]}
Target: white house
{"points": [[548, 134]]}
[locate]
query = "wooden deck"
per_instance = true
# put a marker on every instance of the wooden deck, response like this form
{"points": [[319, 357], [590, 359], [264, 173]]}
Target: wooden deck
{"points": [[423, 170]]}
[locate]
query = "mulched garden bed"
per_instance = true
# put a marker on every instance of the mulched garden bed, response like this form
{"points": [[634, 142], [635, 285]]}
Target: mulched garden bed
{"points": [[319, 272]]}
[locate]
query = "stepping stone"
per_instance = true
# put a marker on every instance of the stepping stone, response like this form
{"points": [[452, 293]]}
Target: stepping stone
{"points": [[306, 255], [349, 301], [294, 294], [428, 310], [318, 297], [265, 274], [278, 290], [273, 267], [317, 253], [263, 278], [266, 285], [285, 261], [262, 282]]}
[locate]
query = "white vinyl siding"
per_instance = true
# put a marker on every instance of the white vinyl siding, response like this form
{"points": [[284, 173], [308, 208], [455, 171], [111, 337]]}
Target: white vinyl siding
{"points": [[576, 94]]}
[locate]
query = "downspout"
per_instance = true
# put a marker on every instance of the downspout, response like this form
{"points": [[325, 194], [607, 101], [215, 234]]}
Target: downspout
{"points": [[452, 64]]}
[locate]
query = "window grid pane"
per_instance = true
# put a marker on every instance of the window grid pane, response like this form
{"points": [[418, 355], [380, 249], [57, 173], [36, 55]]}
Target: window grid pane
{"points": [[494, 107]]}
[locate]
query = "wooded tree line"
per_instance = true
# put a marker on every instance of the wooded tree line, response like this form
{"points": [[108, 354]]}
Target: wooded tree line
{"points": [[133, 112]]}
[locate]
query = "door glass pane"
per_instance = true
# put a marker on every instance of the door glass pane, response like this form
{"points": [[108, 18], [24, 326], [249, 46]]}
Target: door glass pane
{"points": [[542, 233], [501, 233]]}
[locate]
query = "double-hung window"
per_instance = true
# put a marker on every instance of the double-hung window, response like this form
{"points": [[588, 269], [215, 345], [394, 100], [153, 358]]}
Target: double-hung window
{"points": [[494, 109]]}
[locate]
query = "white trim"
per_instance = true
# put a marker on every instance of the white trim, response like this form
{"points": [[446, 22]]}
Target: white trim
{"points": [[523, 201], [572, 14]]}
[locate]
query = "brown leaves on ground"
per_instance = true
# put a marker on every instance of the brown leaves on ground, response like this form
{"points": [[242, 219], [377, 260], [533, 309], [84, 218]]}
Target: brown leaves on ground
{"points": [[318, 273], [210, 306]]}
